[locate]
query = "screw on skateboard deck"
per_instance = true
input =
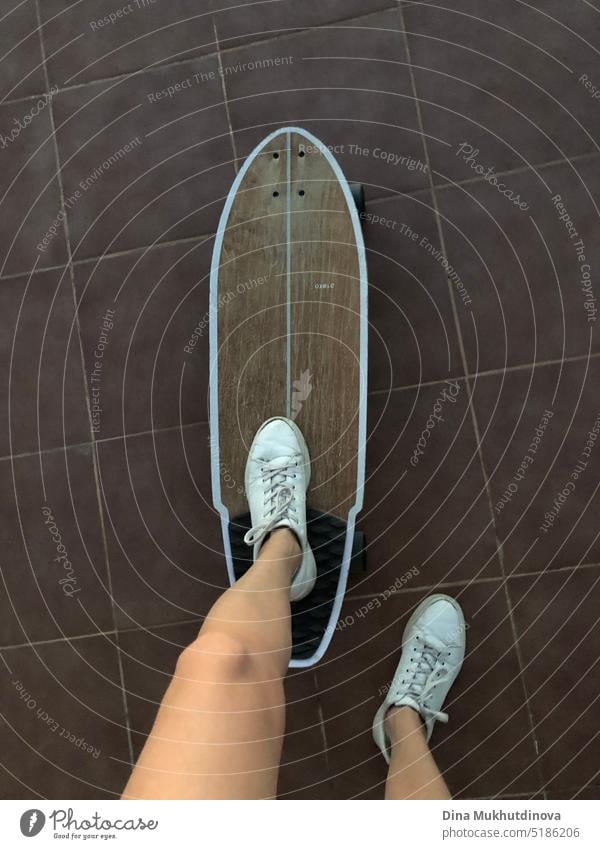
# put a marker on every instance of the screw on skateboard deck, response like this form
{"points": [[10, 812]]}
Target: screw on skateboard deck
{"points": [[288, 336]]}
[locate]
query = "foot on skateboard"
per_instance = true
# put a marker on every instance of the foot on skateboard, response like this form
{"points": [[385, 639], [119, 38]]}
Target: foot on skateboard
{"points": [[276, 479]]}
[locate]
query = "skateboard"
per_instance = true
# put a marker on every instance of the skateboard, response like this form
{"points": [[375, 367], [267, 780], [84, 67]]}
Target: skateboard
{"points": [[288, 336]]}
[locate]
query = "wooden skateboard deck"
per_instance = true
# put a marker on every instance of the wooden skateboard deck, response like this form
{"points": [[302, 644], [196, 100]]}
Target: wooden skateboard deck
{"points": [[288, 336]]}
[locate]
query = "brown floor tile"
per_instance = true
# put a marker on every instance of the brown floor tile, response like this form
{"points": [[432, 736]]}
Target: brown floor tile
{"points": [[503, 77], [164, 541], [251, 21], [522, 267], [304, 772], [82, 45], [485, 749], [41, 382], [171, 180], [54, 567], [522, 796], [557, 623], [29, 191], [146, 378], [575, 793], [63, 721], [21, 68], [426, 515], [412, 333], [356, 98], [543, 469]]}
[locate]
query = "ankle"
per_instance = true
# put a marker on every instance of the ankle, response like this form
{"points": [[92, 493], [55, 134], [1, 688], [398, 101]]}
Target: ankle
{"points": [[282, 544], [401, 722], [290, 536]]}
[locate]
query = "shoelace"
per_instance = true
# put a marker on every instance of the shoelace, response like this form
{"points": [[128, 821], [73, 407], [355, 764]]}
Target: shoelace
{"points": [[279, 496], [426, 677]]}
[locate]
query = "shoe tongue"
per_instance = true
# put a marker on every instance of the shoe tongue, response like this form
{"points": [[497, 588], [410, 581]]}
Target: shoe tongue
{"points": [[432, 641], [275, 464], [283, 496], [420, 678], [429, 646], [278, 460], [409, 702]]}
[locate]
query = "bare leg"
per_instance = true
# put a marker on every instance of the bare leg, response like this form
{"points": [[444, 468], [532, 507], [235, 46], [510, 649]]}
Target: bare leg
{"points": [[219, 729], [413, 773]]}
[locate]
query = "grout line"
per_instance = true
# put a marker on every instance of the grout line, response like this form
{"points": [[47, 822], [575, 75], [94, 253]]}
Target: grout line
{"points": [[16, 275], [322, 730], [424, 588], [521, 169], [373, 393], [177, 427], [469, 582], [202, 238], [378, 199], [82, 360], [282, 32], [469, 181], [433, 195], [121, 436], [507, 796], [126, 75], [486, 482], [163, 626], [225, 100], [54, 640], [555, 570], [569, 792], [25, 99], [517, 647], [45, 451], [373, 201], [473, 375], [133, 629]]}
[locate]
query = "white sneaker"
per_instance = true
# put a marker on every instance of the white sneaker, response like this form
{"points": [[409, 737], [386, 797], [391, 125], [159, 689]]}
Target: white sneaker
{"points": [[433, 649], [277, 477]]}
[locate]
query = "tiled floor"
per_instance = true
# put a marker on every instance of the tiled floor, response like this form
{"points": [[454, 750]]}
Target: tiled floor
{"points": [[119, 141]]}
